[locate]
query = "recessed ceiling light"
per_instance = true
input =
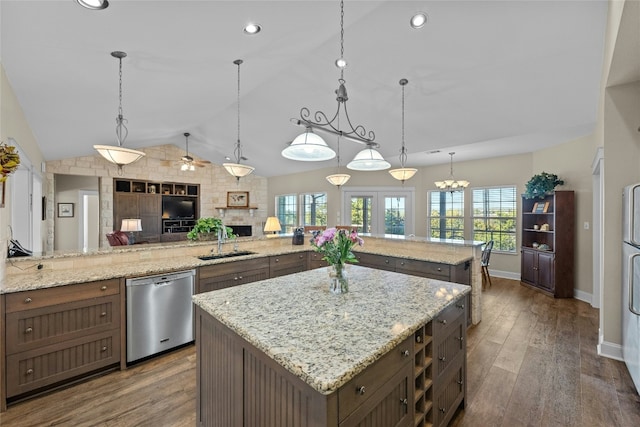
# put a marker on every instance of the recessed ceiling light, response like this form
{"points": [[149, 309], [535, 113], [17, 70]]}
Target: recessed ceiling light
{"points": [[94, 4], [252, 29], [418, 20]]}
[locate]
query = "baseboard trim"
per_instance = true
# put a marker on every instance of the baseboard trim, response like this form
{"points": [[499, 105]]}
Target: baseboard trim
{"points": [[609, 349], [583, 296], [505, 274]]}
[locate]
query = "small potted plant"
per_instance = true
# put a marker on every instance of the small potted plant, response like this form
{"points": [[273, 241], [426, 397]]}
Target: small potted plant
{"points": [[541, 185], [207, 229]]}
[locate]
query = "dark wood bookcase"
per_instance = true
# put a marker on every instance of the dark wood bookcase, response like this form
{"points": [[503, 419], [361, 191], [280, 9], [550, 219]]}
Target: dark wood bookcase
{"points": [[548, 236]]}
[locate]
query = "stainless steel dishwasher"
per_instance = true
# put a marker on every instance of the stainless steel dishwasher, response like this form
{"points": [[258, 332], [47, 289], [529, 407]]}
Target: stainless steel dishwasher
{"points": [[159, 313]]}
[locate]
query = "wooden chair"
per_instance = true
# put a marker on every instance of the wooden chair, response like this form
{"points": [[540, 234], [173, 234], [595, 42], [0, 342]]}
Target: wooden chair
{"points": [[484, 263]]}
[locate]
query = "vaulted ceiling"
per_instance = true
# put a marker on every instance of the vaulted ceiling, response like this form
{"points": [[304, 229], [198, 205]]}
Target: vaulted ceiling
{"points": [[486, 78]]}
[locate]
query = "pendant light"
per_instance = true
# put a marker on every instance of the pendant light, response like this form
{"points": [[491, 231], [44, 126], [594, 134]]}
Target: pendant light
{"points": [[313, 148], [338, 179], [94, 4], [451, 184], [119, 155], [403, 173], [236, 169]]}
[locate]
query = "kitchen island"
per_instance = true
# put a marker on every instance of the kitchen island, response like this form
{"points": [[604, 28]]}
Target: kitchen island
{"points": [[285, 351]]}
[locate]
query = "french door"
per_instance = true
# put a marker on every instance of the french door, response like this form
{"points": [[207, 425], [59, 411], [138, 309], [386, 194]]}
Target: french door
{"points": [[386, 211]]}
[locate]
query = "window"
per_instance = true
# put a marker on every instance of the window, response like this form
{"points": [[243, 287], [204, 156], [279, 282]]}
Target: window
{"points": [[446, 215], [287, 212], [361, 213], [314, 209], [394, 215], [494, 217]]}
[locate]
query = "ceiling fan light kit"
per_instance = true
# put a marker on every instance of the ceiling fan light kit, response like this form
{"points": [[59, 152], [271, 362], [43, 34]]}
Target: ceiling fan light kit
{"points": [[236, 169], [119, 155]]}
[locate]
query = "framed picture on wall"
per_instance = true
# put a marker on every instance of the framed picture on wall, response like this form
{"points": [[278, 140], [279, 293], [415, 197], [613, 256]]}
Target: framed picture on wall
{"points": [[238, 199], [65, 210]]}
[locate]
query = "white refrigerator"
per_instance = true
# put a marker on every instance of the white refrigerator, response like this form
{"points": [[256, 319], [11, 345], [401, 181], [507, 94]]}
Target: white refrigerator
{"points": [[631, 281]]}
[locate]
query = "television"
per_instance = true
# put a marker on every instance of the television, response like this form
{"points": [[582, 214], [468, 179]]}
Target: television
{"points": [[177, 207]]}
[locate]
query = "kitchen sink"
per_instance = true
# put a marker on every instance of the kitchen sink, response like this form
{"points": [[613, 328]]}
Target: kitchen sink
{"points": [[227, 255]]}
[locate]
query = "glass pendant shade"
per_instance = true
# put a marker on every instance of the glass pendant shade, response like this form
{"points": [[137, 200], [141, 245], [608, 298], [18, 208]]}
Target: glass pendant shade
{"points": [[308, 147], [368, 160], [238, 170], [402, 174], [451, 183], [94, 4], [119, 155], [338, 179]]}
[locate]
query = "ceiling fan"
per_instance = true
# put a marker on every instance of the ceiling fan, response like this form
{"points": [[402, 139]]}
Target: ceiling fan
{"points": [[188, 163]]}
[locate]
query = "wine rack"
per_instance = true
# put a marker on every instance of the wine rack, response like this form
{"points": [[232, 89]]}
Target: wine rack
{"points": [[423, 376]]}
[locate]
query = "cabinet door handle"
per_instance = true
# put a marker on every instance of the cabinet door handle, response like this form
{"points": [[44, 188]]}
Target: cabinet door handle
{"points": [[405, 353], [404, 402], [460, 382], [103, 288], [360, 390], [460, 306], [27, 300], [277, 259], [442, 358], [386, 261], [104, 313], [28, 330], [443, 321], [418, 338], [300, 256], [461, 338], [402, 263], [29, 371], [443, 410], [104, 348], [235, 278]]}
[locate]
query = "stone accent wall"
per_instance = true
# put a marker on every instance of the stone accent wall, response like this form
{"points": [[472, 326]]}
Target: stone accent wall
{"points": [[160, 165]]}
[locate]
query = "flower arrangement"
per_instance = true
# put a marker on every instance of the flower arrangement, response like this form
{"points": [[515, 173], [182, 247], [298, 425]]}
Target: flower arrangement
{"points": [[336, 245], [9, 160]]}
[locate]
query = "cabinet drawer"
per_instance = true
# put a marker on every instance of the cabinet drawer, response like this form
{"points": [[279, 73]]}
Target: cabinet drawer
{"points": [[316, 261], [429, 269], [280, 265], [380, 262], [449, 350], [231, 267], [49, 365], [29, 329], [232, 279], [360, 388], [448, 316], [28, 300]]}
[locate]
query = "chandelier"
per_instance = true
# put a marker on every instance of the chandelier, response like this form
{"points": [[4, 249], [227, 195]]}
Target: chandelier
{"points": [[403, 173], [236, 169], [311, 147], [119, 155], [451, 184]]}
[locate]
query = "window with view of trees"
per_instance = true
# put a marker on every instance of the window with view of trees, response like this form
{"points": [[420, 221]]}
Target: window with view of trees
{"points": [[287, 212], [494, 217], [446, 215], [314, 209]]}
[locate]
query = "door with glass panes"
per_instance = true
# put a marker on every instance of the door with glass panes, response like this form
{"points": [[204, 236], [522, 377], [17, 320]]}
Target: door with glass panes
{"points": [[388, 212]]}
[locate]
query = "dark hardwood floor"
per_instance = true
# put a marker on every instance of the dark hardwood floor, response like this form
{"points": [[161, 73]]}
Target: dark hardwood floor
{"points": [[531, 362]]}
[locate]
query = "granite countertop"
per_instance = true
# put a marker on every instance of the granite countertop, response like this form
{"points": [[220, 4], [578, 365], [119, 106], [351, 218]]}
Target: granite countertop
{"points": [[327, 339], [105, 269]]}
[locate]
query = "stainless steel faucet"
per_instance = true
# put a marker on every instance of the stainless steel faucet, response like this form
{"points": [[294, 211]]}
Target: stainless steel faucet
{"points": [[222, 235]]}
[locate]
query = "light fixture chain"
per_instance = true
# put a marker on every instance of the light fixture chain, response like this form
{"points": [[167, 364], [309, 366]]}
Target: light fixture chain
{"points": [[342, 37], [120, 120], [403, 154], [237, 151]]}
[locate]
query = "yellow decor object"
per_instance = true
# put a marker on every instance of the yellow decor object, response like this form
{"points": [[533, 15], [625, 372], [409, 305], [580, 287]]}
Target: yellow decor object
{"points": [[9, 160]]}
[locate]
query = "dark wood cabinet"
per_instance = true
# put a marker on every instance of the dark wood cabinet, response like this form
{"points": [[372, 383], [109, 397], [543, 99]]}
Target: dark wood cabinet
{"points": [[143, 199], [54, 335], [315, 260], [233, 273], [548, 234], [279, 265]]}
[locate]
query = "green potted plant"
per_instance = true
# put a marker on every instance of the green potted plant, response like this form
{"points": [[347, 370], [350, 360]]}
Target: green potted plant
{"points": [[541, 185], [207, 229], [9, 160]]}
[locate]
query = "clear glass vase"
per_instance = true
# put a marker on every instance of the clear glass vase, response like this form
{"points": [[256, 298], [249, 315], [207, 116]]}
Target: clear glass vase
{"points": [[338, 279]]}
